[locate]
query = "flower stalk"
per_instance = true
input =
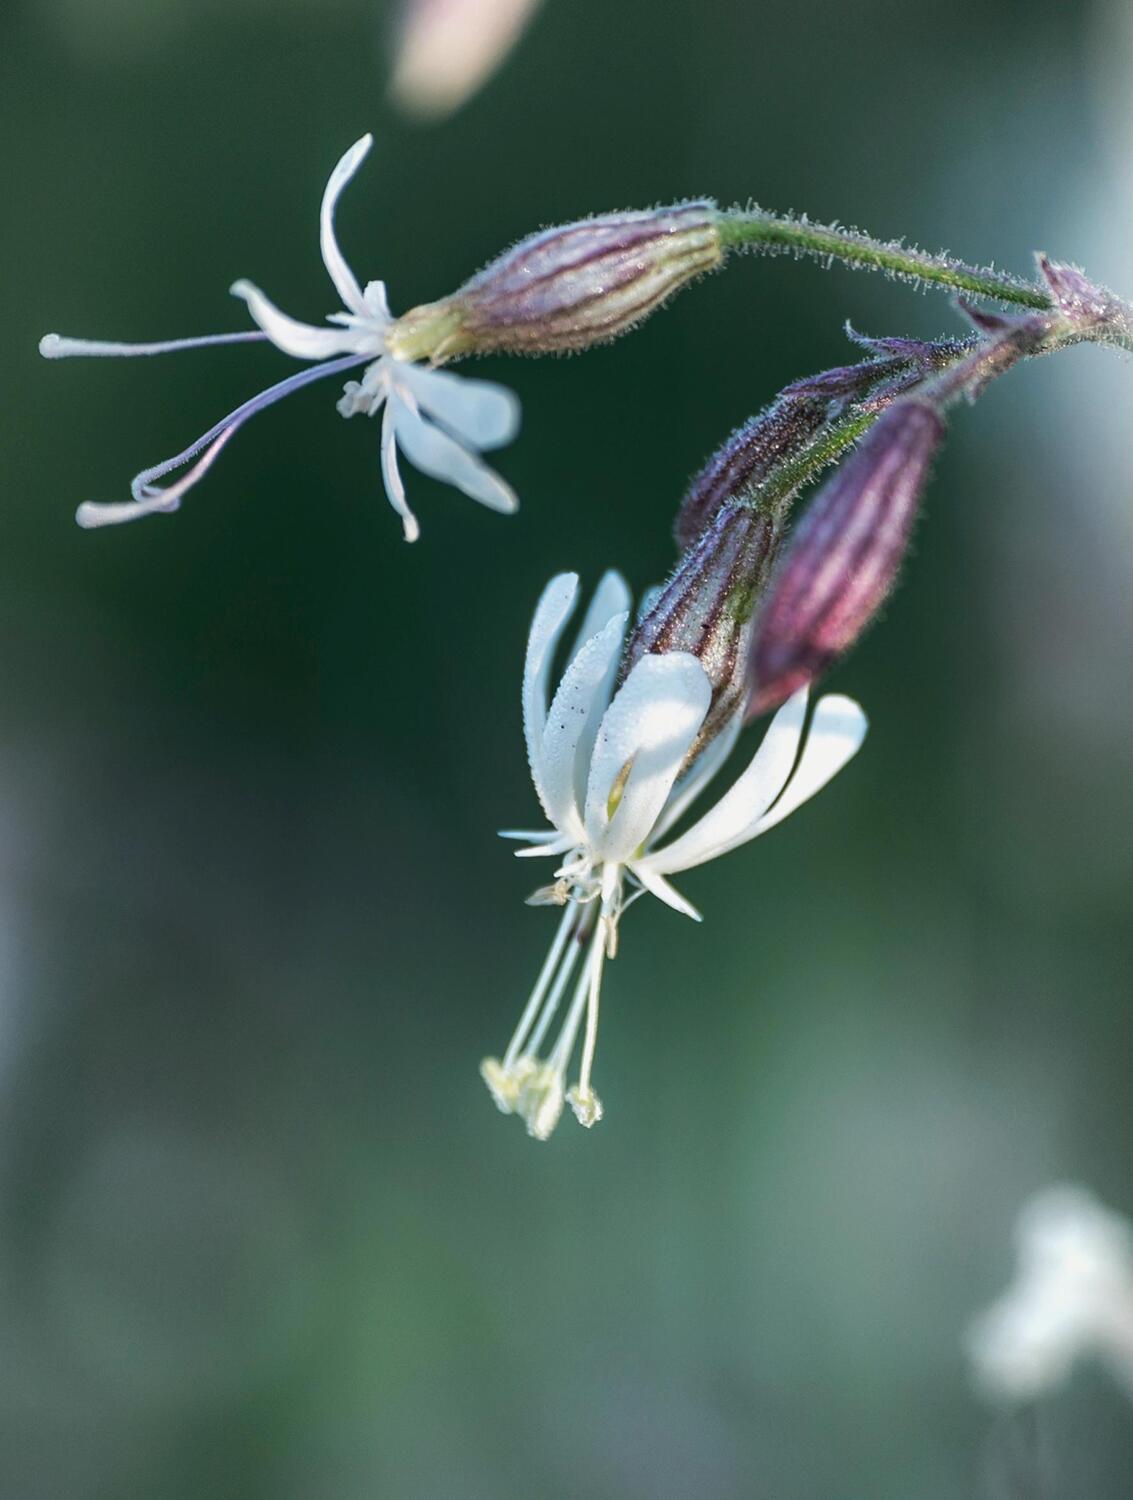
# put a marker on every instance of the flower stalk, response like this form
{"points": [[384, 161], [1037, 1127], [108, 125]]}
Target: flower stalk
{"points": [[753, 229]]}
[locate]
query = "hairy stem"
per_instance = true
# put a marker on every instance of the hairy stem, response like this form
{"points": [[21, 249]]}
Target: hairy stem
{"points": [[752, 229]]}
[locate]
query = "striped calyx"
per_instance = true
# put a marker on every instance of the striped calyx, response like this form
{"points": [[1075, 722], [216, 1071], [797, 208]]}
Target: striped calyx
{"points": [[843, 557], [706, 607], [569, 287]]}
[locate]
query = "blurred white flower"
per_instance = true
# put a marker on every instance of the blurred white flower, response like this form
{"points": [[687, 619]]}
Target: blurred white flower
{"points": [[1072, 1297], [447, 49], [441, 421], [605, 766]]}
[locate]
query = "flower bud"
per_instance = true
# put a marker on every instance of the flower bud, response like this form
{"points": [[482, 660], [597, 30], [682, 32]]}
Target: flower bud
{"points": [[844, 555], [567, 288], [706, 607], [752, 455], [747, 458]]}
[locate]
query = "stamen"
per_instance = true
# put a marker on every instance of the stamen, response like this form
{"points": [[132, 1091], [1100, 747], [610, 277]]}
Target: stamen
{"points": [[536, 997], [56, 346], [602, 942], [564, 1045], [562, 979], [150, 499]]}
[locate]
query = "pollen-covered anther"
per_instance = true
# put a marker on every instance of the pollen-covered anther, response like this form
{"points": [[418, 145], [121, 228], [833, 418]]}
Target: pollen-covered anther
{"points": [[557, 894], [587, 1106], [541, 1099], [506, 1081]]}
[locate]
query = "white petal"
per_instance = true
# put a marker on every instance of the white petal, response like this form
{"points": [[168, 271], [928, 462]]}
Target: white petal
{"points": [[576, 711], [539, 841], [735, 818], [480, 413], [345, 283], [299, 339], [376, 302], [556, 604], [707, 764], [658, 886], [561, 845], [435, 453], [836, 734], [611, 597], [391, 474], [648, 728]]}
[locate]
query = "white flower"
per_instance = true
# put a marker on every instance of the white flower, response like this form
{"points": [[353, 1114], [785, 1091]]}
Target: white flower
{"points": [[1072, 1297], [607, 767], [441, 421]]}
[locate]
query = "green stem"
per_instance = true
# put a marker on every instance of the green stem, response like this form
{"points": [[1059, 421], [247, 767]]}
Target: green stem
{"points": [[752, 229]]}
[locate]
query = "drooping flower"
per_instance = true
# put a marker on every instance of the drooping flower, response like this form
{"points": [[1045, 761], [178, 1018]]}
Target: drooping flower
{"points": [[1072, 1298], [442, 422], [610, 770]]}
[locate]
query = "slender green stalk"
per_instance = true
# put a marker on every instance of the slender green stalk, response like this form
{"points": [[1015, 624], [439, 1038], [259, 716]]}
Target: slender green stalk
{"points": [[752, 229]]}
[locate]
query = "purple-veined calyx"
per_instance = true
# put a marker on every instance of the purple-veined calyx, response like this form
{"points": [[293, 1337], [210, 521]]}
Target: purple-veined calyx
{"points": [[844, 555], [570, 287]]}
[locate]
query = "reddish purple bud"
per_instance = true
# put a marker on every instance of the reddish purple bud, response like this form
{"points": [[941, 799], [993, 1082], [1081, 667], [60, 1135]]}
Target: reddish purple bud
{"points": [[836, 388], [567, 288], [843, 557], [706, 607], [745, 459], [753, 453]]}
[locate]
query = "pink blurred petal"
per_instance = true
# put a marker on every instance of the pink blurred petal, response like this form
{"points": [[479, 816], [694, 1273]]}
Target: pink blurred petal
{"points": [[446, 49]]}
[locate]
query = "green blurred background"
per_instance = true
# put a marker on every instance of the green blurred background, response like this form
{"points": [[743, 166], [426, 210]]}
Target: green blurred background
{"points": [[263, 1233]]}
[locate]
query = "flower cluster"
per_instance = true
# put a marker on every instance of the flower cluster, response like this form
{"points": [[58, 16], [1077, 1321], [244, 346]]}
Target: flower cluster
{"points": [[754, 612]]}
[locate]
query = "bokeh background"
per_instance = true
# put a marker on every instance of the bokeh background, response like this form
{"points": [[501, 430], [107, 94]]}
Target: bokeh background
{"points": [[263, 1233]]}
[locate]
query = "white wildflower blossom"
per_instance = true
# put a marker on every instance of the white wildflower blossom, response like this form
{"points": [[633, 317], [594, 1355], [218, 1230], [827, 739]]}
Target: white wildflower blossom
{"points": [[440, 421], [1072, 1298], [607, 767]]}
